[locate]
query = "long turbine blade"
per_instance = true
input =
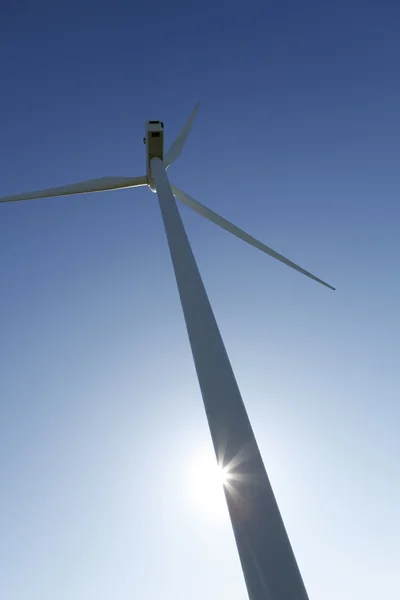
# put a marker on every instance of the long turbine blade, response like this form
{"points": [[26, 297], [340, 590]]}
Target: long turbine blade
{"points": [[84, 187], [176, 147], [218, 220]]}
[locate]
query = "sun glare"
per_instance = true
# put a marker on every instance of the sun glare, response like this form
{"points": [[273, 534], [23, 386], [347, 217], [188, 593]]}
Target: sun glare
{"points": [[223, 475], [206, 483]]}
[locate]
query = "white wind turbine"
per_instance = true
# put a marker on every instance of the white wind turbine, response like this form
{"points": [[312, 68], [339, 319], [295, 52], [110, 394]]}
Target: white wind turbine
{"points": [[268, 562]]}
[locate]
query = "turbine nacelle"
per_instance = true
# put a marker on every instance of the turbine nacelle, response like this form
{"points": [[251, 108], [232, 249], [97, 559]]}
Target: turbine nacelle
{"points": [[154, 141]]}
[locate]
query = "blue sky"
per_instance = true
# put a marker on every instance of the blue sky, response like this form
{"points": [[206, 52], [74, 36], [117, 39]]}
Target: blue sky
{"points": [[102, 429]]}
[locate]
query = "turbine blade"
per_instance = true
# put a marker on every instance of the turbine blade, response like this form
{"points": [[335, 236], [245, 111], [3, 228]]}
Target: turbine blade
{"points": [[84, 187], [218, 220], [176, 147]]}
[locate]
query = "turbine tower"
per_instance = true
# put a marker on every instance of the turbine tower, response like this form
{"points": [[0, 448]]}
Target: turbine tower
{"points": [[268, 562]]}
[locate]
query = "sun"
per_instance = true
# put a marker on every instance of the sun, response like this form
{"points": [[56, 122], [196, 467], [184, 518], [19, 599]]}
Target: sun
{"points": [[223, 475], [206, 481]]}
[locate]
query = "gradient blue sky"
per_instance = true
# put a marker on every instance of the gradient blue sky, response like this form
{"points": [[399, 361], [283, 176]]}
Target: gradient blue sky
{"points": [[101, 418]]}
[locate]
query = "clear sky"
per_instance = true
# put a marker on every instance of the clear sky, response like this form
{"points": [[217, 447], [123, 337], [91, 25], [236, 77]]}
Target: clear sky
{"points": [[106, 468]]}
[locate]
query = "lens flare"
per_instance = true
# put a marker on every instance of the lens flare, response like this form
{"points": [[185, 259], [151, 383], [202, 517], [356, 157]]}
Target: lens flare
{"points": [[206, 482]]}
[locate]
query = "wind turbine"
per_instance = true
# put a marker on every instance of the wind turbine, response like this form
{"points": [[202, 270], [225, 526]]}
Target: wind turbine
{"points": [[268, 562]]}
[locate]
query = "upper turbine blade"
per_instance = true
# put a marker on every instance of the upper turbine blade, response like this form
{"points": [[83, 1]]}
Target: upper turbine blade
{"points": [[84, 187], [176, 147], [218, 220]]}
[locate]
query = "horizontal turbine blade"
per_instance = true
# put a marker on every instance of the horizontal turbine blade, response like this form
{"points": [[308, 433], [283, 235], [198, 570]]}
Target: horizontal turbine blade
{"points": [[176, 147], [218, 220], [103, 184]]}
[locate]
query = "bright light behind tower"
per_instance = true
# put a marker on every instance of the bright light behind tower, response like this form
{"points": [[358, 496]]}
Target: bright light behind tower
{"points": [[206, 480]]}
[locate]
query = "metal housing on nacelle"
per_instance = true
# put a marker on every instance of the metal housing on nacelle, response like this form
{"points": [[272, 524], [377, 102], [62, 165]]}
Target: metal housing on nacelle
{"points": [[154, 141]]}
